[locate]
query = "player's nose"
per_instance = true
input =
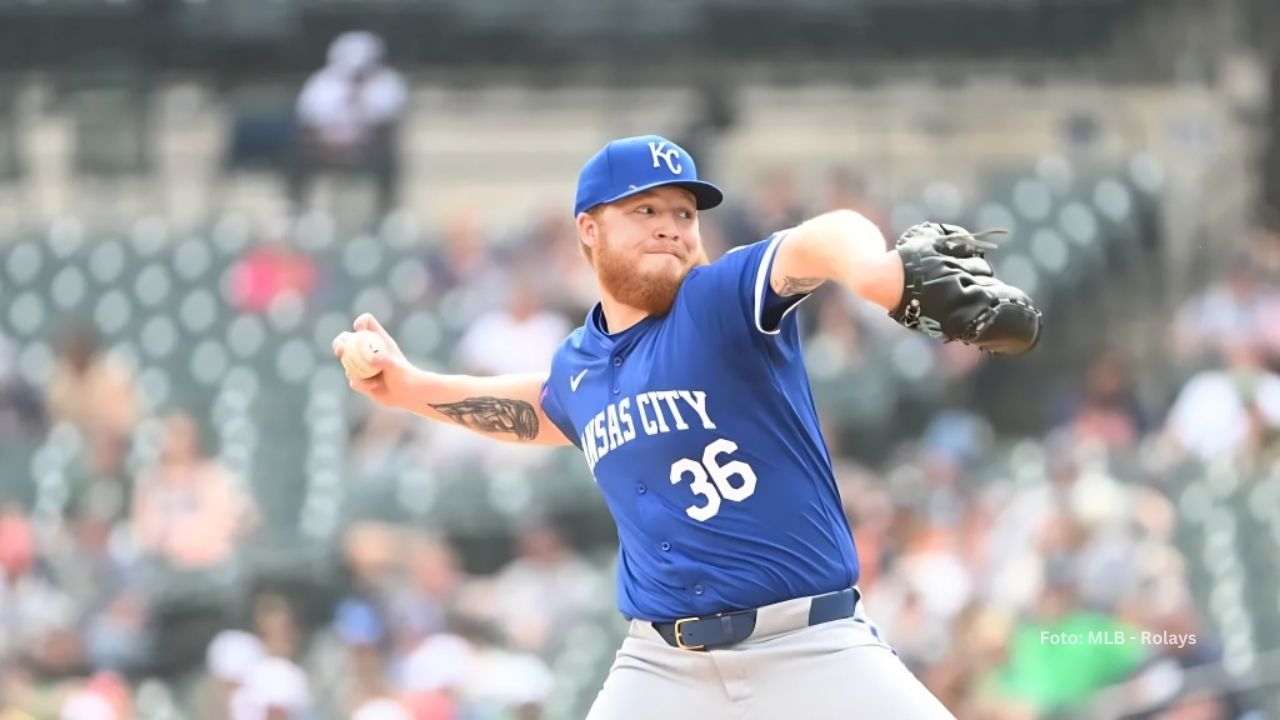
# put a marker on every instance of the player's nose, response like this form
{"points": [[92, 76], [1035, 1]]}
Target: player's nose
{"points": [[667, 230]]}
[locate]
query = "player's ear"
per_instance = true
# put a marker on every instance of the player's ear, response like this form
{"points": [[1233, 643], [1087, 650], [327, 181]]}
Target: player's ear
{"points": [[588, 229]]}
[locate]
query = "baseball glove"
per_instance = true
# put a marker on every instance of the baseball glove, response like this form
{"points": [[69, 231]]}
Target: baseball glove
{"points": [[951, 292]]}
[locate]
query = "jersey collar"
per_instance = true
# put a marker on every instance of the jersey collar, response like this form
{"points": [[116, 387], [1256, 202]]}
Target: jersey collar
{"points": [[607, 341]]}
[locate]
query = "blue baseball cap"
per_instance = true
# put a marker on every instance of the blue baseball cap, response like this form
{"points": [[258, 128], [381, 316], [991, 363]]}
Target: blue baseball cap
{"points": [[358, 623], [633, 165]]}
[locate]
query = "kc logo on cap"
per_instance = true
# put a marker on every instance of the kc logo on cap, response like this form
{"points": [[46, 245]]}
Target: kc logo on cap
{"points": [[633, 165], [666, 156]]}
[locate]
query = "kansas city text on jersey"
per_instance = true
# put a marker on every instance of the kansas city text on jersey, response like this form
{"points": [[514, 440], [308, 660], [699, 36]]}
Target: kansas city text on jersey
{"points": [[651, 413]]}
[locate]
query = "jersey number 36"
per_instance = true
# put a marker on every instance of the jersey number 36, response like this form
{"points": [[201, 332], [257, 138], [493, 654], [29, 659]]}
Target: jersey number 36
{"points": [[719, 487]]}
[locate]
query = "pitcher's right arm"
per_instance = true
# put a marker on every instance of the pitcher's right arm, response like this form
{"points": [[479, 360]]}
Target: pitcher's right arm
{"points": [[503, 407]]}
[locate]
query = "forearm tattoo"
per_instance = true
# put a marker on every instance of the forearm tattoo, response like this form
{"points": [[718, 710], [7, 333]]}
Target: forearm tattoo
{"points": [[493, 415], [797, 285]]}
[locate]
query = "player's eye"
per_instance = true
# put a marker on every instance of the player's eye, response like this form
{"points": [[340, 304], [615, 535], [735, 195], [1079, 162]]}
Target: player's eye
{"points": [[686, 214], [645, 210]]}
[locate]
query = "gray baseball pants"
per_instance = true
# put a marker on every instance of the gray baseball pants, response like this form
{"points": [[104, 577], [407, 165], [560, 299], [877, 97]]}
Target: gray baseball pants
{"points": [[839, 670]]}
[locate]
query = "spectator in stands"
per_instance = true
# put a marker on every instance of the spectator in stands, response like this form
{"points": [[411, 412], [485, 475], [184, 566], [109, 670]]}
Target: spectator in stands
{"points": [[430, 588], [1201, 705], [435, 674], [270, 271], [104, 696], [1107, 411], [918, 636], [954, 439], [92, 390], [518, 338], [1242, 308], [848, 190], [117, 636], [23, 696], [372, 553], [85, 705], [464, 260], [715, 113], [545, 590], [869, 509], [1013, 564], [774, 206], [923, 586], [276, 624], [518, 683], [381, 709], [21, 591], [348, 112], [230, 658], [380, 451], [22, 413], [567, 283], [11, 686], [53, 655], [359, 674], [1266, 247], [189, 510], [101, 485], [95, 569], [853, 384], [274, 689], [524, 333], [1229, 413], [977, 645], [37, 617], [474, 676], [1171, 661], [1049, 676]]}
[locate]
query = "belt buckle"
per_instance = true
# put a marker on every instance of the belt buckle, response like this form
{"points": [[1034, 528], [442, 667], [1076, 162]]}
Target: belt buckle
{"points": [[680, 637]]}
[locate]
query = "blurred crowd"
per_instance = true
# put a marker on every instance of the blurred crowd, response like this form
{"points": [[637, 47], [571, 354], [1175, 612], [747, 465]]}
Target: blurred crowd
{"points": [[981, 579], [126, 598]]}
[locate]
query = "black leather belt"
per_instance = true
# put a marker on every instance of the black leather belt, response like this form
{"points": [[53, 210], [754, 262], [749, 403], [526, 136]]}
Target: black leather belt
{"points": [[730, 628]]}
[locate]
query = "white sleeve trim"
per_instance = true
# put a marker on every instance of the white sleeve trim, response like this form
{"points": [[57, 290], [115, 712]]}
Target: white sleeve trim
{"points": [[762, 273]]}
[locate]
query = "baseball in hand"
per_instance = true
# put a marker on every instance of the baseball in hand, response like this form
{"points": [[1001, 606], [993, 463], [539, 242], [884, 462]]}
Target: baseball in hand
{"points": [[362, 348]]}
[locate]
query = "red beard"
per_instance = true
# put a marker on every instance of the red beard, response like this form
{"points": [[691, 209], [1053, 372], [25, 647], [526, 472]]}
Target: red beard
{"points": [[654, 294]]}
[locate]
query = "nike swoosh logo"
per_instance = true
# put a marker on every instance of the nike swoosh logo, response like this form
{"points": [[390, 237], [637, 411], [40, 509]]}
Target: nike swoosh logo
{"points": [[573, 381]]}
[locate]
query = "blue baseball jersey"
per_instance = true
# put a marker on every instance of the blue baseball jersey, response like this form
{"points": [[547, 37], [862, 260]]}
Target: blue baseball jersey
{"points": [[700, 429]]}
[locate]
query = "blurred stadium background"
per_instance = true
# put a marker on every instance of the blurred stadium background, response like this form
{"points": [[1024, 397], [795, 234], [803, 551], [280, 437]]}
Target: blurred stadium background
{"points": [[199, 520]]}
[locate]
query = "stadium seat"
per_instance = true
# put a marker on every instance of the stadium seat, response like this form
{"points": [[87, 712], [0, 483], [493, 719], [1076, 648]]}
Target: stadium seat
{"points": [[159, 337], [111, 136], [69, 289], [1032, 199], [13, 164], [106, 261], [198, 310], [231, 233]]}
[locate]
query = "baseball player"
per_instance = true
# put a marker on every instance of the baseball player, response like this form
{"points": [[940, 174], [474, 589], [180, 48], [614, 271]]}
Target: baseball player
{"points": [[685, 390]]}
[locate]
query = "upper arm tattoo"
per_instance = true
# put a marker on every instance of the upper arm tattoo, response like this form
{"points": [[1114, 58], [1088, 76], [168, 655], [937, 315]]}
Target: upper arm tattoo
{"points": [[494, 415], [788, 285]]}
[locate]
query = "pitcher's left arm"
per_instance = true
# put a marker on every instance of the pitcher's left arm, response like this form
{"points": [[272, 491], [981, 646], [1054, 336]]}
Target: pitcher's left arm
{"points": [[936, 279], [842, 246]]}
